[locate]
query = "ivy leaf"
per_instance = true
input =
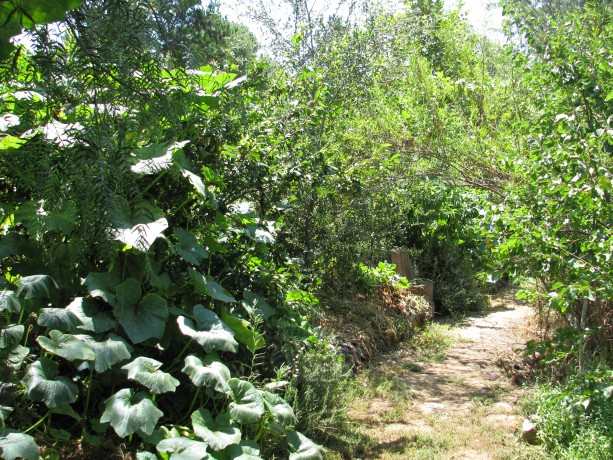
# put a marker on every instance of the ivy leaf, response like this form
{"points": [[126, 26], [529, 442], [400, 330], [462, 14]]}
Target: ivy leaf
{"points": [[219, 433], [212, 373], [11, 335], [128, 413], [58, 318], [279, 408], [42, 385], [246, 450], [108, 353], [102, 285], [247, 405], [305, 448], [189, 248], [209, 331], [90, 316], [257, 306], [35, 286], [182, 448], [9, 302], [206, 286], [146, 372], [67, 346], [14, 445], [145, 320]]}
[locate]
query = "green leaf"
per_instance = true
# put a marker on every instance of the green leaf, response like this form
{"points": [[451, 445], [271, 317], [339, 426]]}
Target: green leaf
{"points": [[219, 433], [146, 456], [67, 346], [182, 448], [281, 411], [35, 286], [62, 220], [17, 356], [190, 249], [11, 142], [102, 285], [42, 385], [257, 306], [9, 302], [58, 318], [11, 335], [128, 413], [246, 450], [109, 352], [156, 157], [247, 405], [252, 339], [127, 294], [65, 409], [212, 373], [145, 320], [305, 448], [14, 445], [91, 317], [206, 286], [146, 372], [209, 331]]}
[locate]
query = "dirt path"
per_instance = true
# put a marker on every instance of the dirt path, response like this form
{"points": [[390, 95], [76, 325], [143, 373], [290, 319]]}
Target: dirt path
{"points": [[461, 407]]}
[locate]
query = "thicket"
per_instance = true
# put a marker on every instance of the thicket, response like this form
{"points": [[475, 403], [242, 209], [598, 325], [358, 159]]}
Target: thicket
{"points": [[172, 207]]}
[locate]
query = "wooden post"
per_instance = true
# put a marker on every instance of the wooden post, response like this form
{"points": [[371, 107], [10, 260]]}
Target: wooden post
{"points": [[404, 267]]}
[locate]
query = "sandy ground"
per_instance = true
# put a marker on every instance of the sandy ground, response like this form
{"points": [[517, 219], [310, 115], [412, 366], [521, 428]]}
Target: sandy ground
{"points": [[462, 407]]}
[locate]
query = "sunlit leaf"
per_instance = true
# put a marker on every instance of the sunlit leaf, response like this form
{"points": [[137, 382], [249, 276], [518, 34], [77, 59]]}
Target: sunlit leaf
{"points": [[9, 302], [243, 332], [305, 448], [208, 330], [211, 373], [181, 448], [256, 305], [146, 372], [246, 450], [247, 405], [109, 352], [219, 433], [279, 408], [14, 445], [42, 384], [67, 346], [128, 413]]}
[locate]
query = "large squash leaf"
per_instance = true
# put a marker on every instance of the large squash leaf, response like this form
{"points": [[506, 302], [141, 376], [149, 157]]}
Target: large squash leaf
{"points": [[208, 330], [181, 448], [189, 248], [35, 286], [305, 448], [146, 372], [14, 445], [211, 373], [209, 287], [247, 405], [279, 408], [101, 285], [11, 335], [107, 353], [256, 305], [90, 316], [67, 346], [9, 302], [219, 433], [58, 318], [246, 450], [128, 413], [43, 385], [143, 320]]}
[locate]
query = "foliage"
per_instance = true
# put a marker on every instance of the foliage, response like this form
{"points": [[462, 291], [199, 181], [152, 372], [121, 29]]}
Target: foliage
{"points": [[384, 274], [574, 420]]}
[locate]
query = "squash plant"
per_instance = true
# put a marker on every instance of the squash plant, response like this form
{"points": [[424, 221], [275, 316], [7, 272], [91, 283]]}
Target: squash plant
{"points": [[120, 309]]}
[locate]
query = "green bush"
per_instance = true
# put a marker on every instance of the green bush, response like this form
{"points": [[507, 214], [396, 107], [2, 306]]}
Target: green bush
{"points": [[575, 420]]}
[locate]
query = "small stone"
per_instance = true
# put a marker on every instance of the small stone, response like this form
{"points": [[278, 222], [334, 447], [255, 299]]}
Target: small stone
{"points": [[493, 376], [528, 432]]}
